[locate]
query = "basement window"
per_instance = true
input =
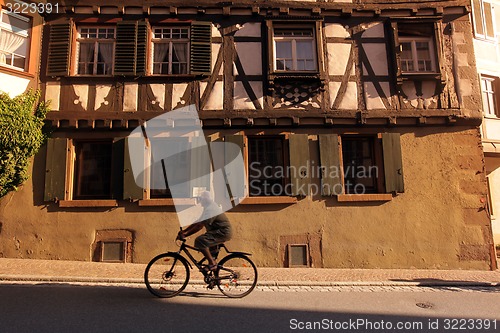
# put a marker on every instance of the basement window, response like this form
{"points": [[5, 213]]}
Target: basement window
{"points": [[298, 255], [113, 250]]}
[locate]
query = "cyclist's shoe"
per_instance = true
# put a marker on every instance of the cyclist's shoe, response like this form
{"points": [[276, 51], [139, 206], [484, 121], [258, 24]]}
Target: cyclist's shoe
{"points": [[209, 268]]}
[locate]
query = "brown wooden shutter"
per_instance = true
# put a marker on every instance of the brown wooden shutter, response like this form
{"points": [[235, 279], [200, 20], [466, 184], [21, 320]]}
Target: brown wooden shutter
{"points": [[393, 163], [201, 48], [126, 48], [232, 178], [142, 47], [60, 40], [488, 19], [478, 22], [200, 164], [300, 176], [331, 175], [55, 169], [131, 191]]}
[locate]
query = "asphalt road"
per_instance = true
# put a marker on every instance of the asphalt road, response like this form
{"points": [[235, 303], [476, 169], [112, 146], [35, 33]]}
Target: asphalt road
{"points": [[70, 308]]}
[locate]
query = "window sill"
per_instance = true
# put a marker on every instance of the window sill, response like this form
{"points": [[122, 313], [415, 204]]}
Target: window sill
{"points": [[88, 203], [364, 197], [15, 71], [167, 202], [268, 200]]}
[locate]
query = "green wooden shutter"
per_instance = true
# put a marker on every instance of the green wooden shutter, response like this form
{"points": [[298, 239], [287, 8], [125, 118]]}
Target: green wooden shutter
{"points": [[201, 48], [200, 164], [232, 178], [393, 162], [117, 163], [60, 40], [126, 48], [142, 47], [55, 169], [299, 162], [131, 191], [331, 177]]}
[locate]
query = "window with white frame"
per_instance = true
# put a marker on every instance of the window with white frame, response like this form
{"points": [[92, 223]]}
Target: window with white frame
{"points": [[489, 98], [170, 50], [294, 49], [14, 39], [484, 19], [417, 54], [96, 47]]}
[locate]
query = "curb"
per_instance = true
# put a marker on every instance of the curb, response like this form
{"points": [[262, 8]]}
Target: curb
{"points": [[98, 280]]}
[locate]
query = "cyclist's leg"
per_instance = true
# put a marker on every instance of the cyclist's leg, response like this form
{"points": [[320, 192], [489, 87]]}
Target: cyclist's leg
{"points": [[207, 241]]}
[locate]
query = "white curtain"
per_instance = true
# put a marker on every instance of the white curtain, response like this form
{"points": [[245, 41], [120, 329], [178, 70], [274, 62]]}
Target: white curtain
{"points": [[9, 43], [106, 52], [160, 56], [86, 56]]}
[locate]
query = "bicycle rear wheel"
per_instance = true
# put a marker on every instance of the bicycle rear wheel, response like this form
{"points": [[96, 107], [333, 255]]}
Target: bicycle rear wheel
{"points": [[166, 275], [237, 275]]}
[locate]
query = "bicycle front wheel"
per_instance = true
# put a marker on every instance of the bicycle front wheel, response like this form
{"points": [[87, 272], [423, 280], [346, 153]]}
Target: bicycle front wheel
{"points": [[166, 275], [237, 275]]}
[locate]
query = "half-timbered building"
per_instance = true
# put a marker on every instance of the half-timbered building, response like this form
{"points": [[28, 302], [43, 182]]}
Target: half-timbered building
{"points": [[358, 121]]}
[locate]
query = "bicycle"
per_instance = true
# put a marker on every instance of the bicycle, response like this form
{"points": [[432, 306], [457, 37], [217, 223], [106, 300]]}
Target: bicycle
{"points": [[167, 274]]}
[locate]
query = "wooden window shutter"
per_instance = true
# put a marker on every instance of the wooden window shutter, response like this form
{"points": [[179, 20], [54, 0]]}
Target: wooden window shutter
{"points": [[59, 57], [270, 47], [232, 178], [55, 169], [201, 48], [300, 164], [489, 11], [393, 163], [200, 164], [142, 48], [117, 163], [478, 21], [131, 191], [126, 48], [331, 176]]}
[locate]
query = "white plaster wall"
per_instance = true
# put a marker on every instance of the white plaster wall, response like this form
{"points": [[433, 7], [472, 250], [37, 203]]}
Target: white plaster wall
{"points": [[492, 129], [130, 96], [102, 91], [336, 30], [377, 56], [53, 94], [215, 52], [241, 98], [249, 30], [178, 91], [216, 99], [338, 56], [350, 99], [250, 55], [82, 91], [13, 85], [494, 179], [159, 94], [373, 99]]}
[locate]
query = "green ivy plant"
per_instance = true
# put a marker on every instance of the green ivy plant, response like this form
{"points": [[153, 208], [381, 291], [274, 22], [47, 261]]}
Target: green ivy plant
{"points": [[21, 136]]}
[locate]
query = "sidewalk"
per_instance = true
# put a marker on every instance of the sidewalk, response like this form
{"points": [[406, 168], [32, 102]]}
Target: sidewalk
{"points": [[93, 272]]}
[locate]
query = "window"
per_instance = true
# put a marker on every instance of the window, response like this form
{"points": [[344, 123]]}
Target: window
{"points": [[266, 166], [489, 98], [170, 50], [417, 54], [14, 39], [92, 173], [294, 49], [96, 50], [298, 255], [175, 169], [361, 170], [484, 20]]}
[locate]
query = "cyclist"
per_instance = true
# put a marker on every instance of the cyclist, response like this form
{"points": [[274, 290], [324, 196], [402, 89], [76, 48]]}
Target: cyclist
{"points": [[216, 223]]}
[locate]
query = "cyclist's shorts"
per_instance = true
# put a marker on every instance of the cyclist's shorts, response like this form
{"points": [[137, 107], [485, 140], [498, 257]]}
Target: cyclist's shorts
{"points": [[210, 239]]}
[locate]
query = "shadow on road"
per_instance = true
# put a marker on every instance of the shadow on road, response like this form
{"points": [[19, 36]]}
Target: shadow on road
{"points": [[69, 308]]}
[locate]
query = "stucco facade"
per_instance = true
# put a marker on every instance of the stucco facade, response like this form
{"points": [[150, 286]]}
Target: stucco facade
{"points": [[424, 208]]}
